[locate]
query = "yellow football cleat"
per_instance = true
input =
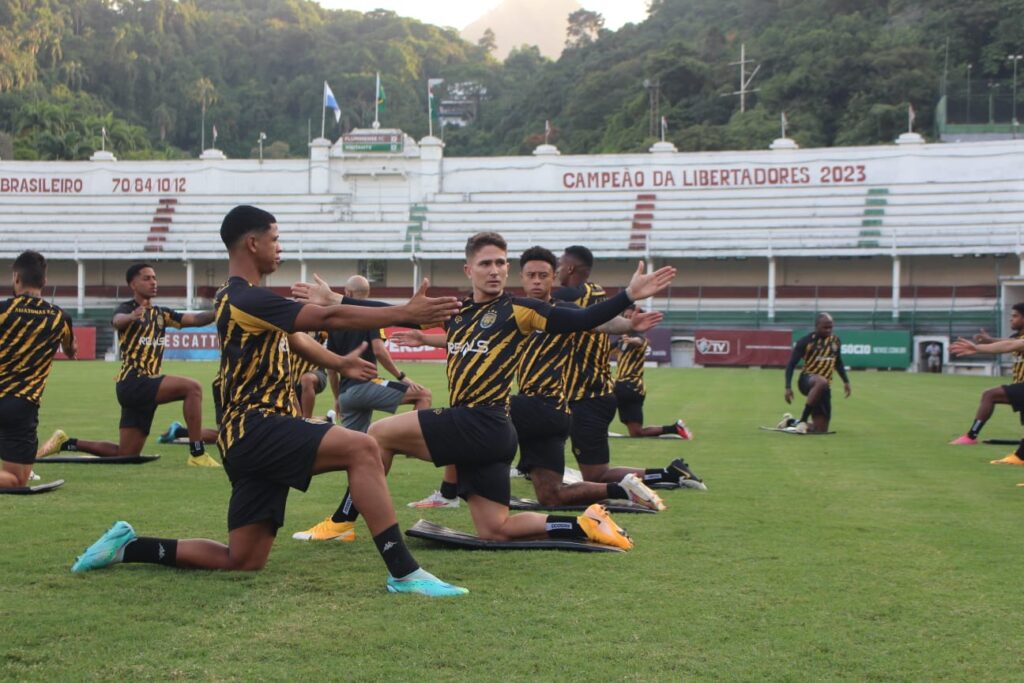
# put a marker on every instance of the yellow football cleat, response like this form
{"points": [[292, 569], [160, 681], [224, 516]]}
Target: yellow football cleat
{"points": [[599, 527], [328, 530], [203, 460], [52, 445], [1011, 459]]}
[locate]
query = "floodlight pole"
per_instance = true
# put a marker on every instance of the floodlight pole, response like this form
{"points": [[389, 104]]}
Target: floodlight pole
{"points": [[970, 68], [1015, 59], [745, 81]]}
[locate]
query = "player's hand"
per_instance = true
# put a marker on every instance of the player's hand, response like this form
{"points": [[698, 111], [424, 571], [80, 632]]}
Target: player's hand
{"points": [[412, 338], [642, 285], [643, 321], [963, 347], [138, 313], [789, 395], [983, 337], [318, 293], [72, 350], [424, 309], [412, 385], [846, 390], [352, 366]]}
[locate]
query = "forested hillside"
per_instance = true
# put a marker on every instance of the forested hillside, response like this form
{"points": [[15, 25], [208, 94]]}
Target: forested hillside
{"points": [[844, 71]]}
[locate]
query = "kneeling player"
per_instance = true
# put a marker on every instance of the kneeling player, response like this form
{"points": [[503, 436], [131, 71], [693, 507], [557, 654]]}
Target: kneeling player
{"points": [[30, 332], [821, 353]]}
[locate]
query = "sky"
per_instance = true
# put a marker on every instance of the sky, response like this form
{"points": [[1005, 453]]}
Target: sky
{"points": [[459, 13]]}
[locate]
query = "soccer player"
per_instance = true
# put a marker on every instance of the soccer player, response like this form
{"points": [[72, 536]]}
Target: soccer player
{"points": [[476, 434], [141, 388], [590, 389], [357, 399], [267, 447], [1008, 394], [821, 353], [540, 411], [630, 392], [307, 378], [30, 332]]}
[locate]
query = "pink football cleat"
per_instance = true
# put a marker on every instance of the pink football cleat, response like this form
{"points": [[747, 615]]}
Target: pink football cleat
{"points": [[964, 440]]}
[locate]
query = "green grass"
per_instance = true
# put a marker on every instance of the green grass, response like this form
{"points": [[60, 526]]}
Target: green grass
{"points": [[879, 553]]}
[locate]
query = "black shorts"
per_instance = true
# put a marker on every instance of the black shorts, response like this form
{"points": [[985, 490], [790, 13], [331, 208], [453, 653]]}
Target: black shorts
{"points": [[542, 428], [479, 441], [137, 396], [321, 382], [590, 420], [19, 420], [824, 407], [277, 452], [1015, 395], [630, 403]]}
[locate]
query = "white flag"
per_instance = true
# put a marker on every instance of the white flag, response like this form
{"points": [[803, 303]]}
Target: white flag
{"points": [[332, 103], [215, 134]]}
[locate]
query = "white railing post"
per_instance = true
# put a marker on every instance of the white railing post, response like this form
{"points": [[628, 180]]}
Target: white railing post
{"points": [[81, 286], [771, 286], [190, 284]]}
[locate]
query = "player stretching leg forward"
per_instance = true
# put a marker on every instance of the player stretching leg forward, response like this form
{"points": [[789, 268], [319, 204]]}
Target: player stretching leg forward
{"points": [[141, 388], [267, 447], [630, 392], [1007, 394], [30, 332], [821, 353]]}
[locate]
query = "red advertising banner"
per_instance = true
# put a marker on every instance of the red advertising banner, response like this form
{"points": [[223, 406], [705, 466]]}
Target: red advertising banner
{"points": [[86, 337], [742, 347], [414, 352]]}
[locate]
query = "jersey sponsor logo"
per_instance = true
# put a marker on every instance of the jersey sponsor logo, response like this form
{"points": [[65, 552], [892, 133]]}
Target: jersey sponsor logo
{"points": [[153, 341], [463, 348], [713, 347], [488, 319], [282, 345]]}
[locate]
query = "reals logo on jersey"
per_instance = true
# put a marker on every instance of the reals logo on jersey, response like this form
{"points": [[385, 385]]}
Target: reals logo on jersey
{"points": [[282, 346], [489, 318]]}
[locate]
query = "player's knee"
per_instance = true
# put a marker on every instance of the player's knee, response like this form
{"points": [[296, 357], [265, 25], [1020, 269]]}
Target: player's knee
{"points": [[194, 390], [492, 531], [248, 564], [635, 429], [991, 395]]}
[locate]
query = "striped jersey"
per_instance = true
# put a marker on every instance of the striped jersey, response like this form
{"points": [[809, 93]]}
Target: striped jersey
{"points": [[821, 356], [299, 365], [631, 364], [541, 372], [1018, 362], [588, 374], [30, 332], [253, 324], [142, 342]]}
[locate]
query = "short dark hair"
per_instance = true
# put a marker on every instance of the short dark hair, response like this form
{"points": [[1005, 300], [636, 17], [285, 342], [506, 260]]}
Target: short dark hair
{"points": [[1017, 307], [538, 253], [484, 239], [134, 270], [242, 220], [31, 269], [581, 254]]}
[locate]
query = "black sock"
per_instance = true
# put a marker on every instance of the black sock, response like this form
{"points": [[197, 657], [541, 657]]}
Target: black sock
{"points": [[70, 445], [808, 408], [196, 448], [449, 490], [617, 492], [655, 475], [668, 429], [396, 556], [564, 527], [346, 512], [975, 428], [152, 551], [1020, 449], [180, 432]]}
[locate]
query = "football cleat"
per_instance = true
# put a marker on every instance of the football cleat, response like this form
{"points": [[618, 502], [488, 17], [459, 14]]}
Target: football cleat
{"points": [[687, 479], [52, 445], [682, 431], [1011, 459], [640, 494], [107, 550], [422, 582], [434, 500], [169, 435], [599, 527], [202, 460], [964, 440], [328, 530], [786, 421]]}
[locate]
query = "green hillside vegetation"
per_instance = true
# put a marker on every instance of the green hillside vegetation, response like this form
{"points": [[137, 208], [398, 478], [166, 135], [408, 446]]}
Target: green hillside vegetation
{"points": [[844, 72]]}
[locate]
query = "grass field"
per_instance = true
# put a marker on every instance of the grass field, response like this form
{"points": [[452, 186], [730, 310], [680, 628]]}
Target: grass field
{"points": [[879, 553]]}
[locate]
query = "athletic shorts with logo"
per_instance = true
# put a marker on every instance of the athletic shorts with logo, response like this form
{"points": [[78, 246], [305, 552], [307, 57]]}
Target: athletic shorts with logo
{"points": [[19, 420], [137, 396], [590, 420], [542, 429], [358, 402], [480, 441], [276, 453]]}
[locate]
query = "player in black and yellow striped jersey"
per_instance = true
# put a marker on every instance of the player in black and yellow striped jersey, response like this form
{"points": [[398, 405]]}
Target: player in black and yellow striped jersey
{"points": [[267, 448], [1012, 394], [630, 391], [476, 434], [821, 353], [590, 388], [141, 330], [540, 411], [308, 379], [31, 330]]}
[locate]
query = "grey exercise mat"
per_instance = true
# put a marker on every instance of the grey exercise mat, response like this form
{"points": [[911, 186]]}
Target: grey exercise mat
{"points": [[790, 430], [93, 460], [31, 490], [458, 539], [517, 503]]}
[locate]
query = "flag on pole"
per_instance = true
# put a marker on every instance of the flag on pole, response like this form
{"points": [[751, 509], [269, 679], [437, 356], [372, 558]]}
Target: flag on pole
{"points": [[911, 115], [382, 99], [547, 130], [431, 100], [664, 128], [215, 134], [331, 103], [785, 123]]}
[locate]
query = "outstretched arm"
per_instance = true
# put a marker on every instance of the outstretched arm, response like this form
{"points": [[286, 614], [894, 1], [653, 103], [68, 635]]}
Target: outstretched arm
{"points": [[414, 338], [349, 365], [420, 309], [197, 319], [965, 347]]}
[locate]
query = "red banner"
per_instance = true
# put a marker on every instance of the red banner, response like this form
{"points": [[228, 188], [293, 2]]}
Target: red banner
{"points": [[86, 337], [414, 352], [742, 347]]}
